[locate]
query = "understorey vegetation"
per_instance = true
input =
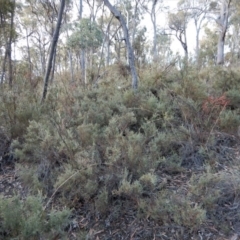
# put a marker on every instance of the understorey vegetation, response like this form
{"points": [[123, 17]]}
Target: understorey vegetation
{"points": [[103, 162]]}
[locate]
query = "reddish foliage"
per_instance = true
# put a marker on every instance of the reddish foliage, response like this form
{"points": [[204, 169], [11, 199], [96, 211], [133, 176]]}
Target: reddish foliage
{"points": [[212, 103]]}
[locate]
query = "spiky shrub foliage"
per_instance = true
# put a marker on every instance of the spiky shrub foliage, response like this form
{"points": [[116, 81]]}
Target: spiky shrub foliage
{"points": [[99, 148], [46, 144], [225, 79], [167, 206], [234, 97], [17, 108], [214, 191], [28, 219], [229, 121]]}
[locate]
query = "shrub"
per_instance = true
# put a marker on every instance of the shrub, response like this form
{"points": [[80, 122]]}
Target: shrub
{"points": [[27, 219]]}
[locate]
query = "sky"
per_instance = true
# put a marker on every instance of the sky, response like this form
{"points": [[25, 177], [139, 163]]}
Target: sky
{"points": [[162, 21]]}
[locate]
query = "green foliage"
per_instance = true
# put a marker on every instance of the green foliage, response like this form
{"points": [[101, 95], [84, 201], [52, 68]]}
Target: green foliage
{"points": [[167, 206], [229, 121], [102, 201], [225, 79], [106, 149], [208, 48], [214, 190], [17, 108], [27, 219], [234, 97], [86, 35]]}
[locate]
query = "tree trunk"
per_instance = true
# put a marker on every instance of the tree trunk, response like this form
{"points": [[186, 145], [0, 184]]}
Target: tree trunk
{"points": [[220, 47], [80, 9], [82, 51], [154, 37], [223, 25], [70, 61], [185, 46], [83, 65], [29, 57], [8, 50], [134, 27], [71, 65], [53, 65], [52, 49], [198, 25], [197, 47], [10, 69], [131, 60], [153, 20], [3, 75]]}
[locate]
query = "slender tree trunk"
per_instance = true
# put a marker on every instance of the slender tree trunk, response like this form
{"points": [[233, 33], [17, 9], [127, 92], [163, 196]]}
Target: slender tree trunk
{"points": [[223, 25], [3, 75], [108, 54], [131, 59], [197, 41], [220, 53], [52, 49], [185, 43], [82, 51], [80, 9], [198, 25], [70, 60], [83, 65], [8, 50], [153, 20], [10, 68], [71, 65], [105, 40], [197, 47], [53, 65], [29, 57], [134, 28]]}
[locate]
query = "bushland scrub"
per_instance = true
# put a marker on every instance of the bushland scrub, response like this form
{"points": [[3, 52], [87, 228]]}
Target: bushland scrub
{"points": [[109, 163]]}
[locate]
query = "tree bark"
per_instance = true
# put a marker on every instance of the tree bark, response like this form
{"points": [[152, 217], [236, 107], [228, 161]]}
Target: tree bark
{"points": [[52, 50], [153, 19], [223, 25], [82, 51], [10, 68], [131, 57], [29, 57], [8, 49]]}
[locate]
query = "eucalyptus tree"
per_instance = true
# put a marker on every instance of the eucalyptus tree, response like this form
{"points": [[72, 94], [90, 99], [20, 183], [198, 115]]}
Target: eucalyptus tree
{"points": [[208, 47], [7, 36], [27, 27], [153, 8], [165, 54], [86, 36], [131, 58], [109, 26], [198, 11], [53, 49], [140, 47], [223, 24], [233, 39], [133, 14], [38, 19], [178, 24]]}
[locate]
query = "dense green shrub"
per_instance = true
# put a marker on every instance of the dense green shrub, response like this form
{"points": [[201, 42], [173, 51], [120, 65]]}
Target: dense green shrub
{"points": [[28, 219], [106, 149]]}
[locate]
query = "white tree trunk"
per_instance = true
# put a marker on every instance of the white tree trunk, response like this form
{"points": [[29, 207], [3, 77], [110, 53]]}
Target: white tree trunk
{"points": [[131, 59], [223, 25]]}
